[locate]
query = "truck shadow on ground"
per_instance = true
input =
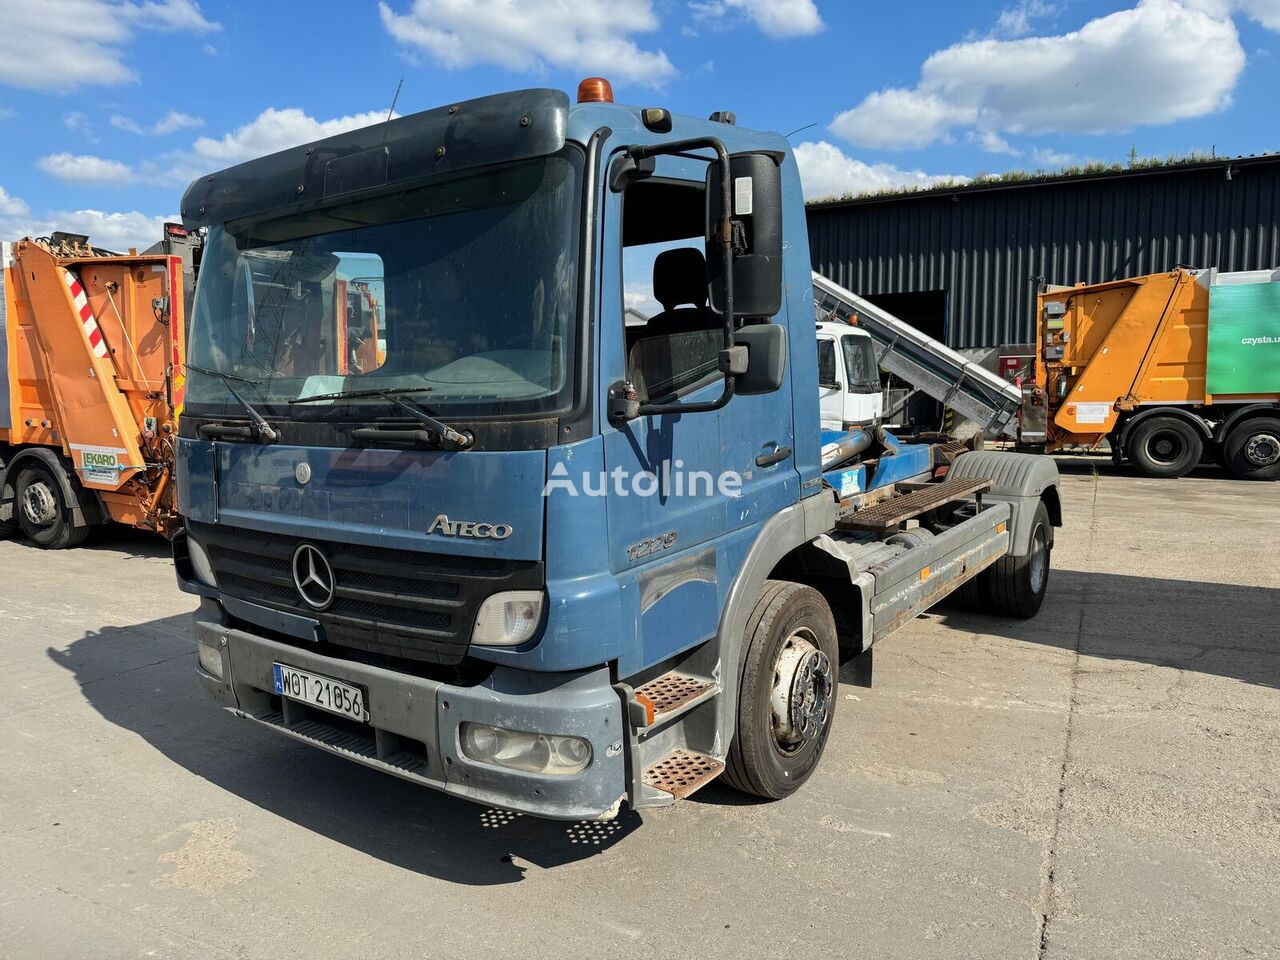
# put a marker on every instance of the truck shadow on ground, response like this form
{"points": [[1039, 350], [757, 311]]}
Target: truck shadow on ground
{"points": [[119, 539], [1220, 629], [1084, 466], [142, 678]]}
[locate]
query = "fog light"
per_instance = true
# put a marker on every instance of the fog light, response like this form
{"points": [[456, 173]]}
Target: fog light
{"points": [[545, 753], [210, 658]]}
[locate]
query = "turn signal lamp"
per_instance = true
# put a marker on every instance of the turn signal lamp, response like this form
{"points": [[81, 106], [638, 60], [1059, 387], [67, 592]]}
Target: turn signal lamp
{"points": [[595, 90]]}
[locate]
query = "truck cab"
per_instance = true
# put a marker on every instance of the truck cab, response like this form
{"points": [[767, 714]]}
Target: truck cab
{"points": [[561, 539], [849, 388]]}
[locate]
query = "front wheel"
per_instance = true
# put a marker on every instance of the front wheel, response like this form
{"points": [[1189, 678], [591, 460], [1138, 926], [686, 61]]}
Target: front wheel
{"points": [[787, 694], [1252, 449], [42, 512]]}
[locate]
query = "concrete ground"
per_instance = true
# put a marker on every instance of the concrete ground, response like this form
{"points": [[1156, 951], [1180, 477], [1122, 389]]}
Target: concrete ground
{"points": [[1101, 781]]}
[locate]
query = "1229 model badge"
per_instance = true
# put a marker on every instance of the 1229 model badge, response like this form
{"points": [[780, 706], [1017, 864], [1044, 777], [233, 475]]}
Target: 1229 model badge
{"points": [[647, 548], [468, 528]]}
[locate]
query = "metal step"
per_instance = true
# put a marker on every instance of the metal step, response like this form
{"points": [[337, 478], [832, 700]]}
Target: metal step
{"points": [[683, 772], [889, 513], [672, 694]]}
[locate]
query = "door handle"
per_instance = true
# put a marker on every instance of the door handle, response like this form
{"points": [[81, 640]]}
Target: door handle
{"points": [[777, 456]]}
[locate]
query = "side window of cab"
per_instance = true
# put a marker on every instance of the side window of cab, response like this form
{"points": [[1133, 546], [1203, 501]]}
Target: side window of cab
{"points": [[673, 339]]}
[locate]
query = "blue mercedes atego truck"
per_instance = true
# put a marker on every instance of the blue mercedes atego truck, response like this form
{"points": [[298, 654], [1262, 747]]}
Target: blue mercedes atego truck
{"points": [[501, 468]]}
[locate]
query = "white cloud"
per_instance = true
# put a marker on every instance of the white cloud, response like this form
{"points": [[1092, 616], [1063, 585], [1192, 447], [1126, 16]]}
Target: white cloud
{"points": [[171, 122], [109, 230], [77, 122], [897, 118], [12, 206], [1162, 61], [1019, 20], [775, 18], [1048, 157], [826, 171], [591, 36], [1265, 12], [274, 130], [271, 131], [992, 142], [62, 45], [75, 168]]}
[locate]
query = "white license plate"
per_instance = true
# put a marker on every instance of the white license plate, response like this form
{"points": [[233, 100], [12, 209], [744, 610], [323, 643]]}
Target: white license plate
{"points": [[323, 692]]}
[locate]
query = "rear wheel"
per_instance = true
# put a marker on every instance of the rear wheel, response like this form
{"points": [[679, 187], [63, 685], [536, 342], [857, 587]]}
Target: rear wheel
{"points": [[1252, 449], [43, 512], [787, 695], [1164, 447], [10, 526], [1018, 584], [1014, 586]]}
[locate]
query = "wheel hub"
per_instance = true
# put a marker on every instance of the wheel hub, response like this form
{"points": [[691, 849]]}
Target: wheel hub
{"points": [[1165, 447], [1262, 450], [39, 504], [802, 687]]}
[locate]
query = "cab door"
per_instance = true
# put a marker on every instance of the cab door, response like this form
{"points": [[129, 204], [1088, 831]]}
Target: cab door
{"points": [[685, 489]]}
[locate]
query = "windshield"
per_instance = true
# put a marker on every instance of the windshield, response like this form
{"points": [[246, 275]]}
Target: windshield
{"points": [[860, 361], [464, 291]]}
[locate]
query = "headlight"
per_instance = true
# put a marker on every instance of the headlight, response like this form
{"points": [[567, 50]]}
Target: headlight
{"points": [[200, 564], [545, 753], [508, 619]]}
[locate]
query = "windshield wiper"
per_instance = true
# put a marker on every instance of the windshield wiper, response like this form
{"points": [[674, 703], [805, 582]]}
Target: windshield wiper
{"points": [[261, 430], [445, 435]]}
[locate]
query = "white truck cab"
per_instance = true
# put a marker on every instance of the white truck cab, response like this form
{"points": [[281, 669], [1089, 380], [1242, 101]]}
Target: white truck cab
{"points": [[848, 378]]}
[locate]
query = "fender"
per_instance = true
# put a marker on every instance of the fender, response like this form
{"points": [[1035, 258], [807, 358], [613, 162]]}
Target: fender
{"points": [[1021, 480], [82, 513], [1244, 412], [778, 536], [1122, 431]]}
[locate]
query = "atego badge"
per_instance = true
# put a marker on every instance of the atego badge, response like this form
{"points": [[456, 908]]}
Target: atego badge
{"points": [[476, 530]]}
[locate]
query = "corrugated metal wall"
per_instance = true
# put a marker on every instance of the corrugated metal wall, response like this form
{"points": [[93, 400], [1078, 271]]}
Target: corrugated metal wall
{"points": [[984, 246]]}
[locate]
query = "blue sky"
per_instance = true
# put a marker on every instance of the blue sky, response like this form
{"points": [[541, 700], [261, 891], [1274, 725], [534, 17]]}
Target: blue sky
{"points": [[108, 108]]}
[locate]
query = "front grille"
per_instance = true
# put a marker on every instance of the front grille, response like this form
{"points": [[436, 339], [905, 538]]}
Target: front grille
{"points": [[397, 603]]}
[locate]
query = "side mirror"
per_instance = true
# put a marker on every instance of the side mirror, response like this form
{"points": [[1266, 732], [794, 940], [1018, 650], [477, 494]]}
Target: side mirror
{"points": [[766, 345], [757, 235]]}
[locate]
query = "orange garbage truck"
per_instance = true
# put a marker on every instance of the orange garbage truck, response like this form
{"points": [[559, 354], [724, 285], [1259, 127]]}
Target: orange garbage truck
{"points": [[1167, 368], [91, 362]]}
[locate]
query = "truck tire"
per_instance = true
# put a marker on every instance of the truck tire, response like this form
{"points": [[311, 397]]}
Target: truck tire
{"points": [[1252, 449], [787, 693], [1164, 447], [7, 527], [42, 512], [1015, 586]]}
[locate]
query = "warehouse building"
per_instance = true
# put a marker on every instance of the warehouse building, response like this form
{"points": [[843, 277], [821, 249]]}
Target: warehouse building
{"points": [[963, 264]]}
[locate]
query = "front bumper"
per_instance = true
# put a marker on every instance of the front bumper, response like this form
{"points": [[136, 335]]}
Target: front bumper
{"points": [[413, 723]]}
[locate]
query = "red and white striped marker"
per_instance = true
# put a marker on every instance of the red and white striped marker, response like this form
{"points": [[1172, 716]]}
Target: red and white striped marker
{"points": [[91, 329]]}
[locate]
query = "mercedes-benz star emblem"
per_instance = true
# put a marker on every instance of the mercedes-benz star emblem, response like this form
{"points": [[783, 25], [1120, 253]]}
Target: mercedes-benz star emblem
{"points": [[313, 576], [302, 473]]}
